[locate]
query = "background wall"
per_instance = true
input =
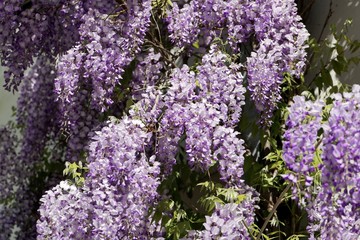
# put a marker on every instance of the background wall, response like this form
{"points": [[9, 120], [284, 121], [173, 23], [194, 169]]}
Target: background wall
{"points": [[324, 13], [7, 100]]}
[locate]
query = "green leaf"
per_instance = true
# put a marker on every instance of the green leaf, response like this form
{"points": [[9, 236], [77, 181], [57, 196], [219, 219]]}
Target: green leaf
{"points": [[229, 194], [326, 77], [196, 44], [240, 198], [337, 66], [179, 214], [207, 186]]}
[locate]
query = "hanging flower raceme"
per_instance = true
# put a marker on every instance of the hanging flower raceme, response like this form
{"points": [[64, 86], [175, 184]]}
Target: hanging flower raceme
{"points": [[332, 202], [282, 43], [300, 142], [9, 175], [229, 221], [31, 28], [336, 210], [119, 190], [197, 105], [276, 26]]}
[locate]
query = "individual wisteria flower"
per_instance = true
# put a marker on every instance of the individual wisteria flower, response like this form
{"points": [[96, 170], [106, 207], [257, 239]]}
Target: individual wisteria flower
{"points": [[229, 221], [300, 142], [119, 190], [336, 212]]}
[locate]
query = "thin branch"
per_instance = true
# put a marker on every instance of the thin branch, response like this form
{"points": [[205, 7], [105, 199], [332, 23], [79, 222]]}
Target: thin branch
{"points": [[165, 52], [268, 218], [330, 12], [307, 8]]}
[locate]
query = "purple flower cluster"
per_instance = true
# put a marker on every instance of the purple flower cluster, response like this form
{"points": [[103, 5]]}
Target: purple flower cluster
{"points": [[64, 213], [82, 50], [333, 204], [90, 70], [229, 153], [147, 74], [229, 221], [240, 21], [201, 105], [200, 21], [281, 49], [73, 93], [120, 172], [206, 19], [300, 141], [183, 24], [29, 28], [118, 192], [37, 117], [337, 208], [221, 83], [123, 178], [37, 112], [10, 175], [276, 26], [110, 45]]}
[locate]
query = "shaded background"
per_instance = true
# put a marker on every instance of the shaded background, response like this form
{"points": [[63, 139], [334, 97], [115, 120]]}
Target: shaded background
{"points": [[7, 100]]}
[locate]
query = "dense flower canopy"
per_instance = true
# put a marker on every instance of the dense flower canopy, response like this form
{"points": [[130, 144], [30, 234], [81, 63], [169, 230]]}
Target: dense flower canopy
{"points": [[141, 104]]}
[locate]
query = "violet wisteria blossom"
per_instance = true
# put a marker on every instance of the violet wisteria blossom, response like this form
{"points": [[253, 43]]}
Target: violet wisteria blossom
{"points": [[9, 175], [135, 90], [29, 28], [279, 32], [336, 210], [300, 143], [119, 190], [282, 43], [196, 104], [37, 118], [332, 203], [110, 45], [77, 119], [229, 221]]}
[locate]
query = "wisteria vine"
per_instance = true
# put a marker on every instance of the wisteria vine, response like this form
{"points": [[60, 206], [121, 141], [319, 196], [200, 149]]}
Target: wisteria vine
{"points": [[129, 123]]}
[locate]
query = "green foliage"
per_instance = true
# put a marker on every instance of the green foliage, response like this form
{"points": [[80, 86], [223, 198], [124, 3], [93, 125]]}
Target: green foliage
{"points": [[337, 53], [214, 193], [76, 172]]}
